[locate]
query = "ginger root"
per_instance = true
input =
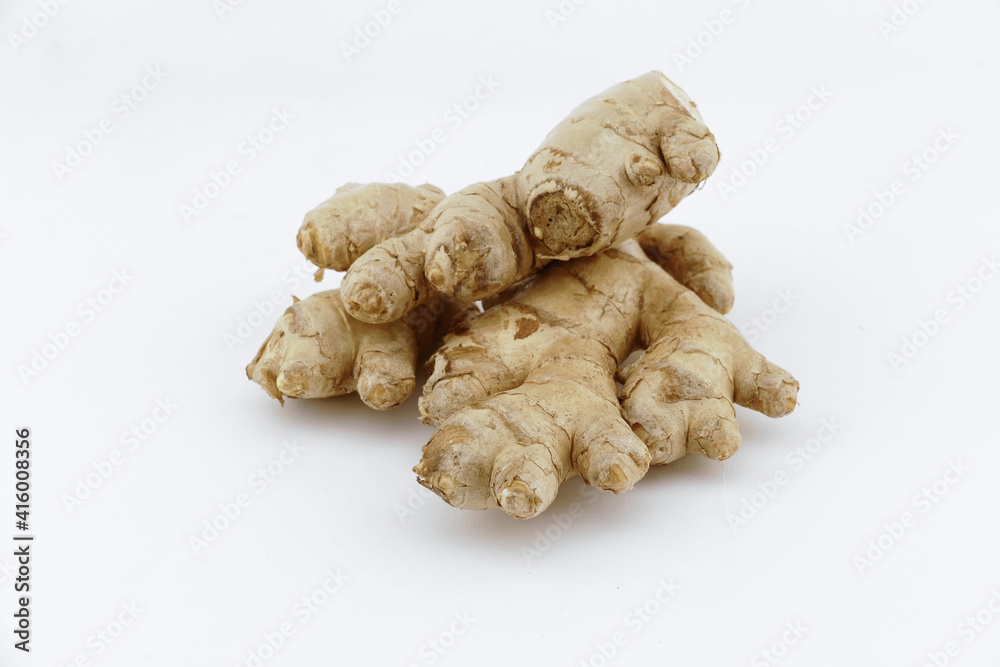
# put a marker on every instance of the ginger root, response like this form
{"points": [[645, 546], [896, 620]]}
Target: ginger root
{"points": [[575, 277], [619, 162], [525, 395], [359, 217], [317, 350]]}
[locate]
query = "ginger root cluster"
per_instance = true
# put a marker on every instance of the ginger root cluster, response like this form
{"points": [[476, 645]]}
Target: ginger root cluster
{"points": [[530, 293]]}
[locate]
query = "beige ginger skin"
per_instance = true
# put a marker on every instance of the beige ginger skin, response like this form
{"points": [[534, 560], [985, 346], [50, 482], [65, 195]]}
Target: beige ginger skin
{"points": [[575, 278]]}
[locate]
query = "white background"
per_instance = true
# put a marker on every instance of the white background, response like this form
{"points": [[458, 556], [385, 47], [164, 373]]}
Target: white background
{"points": [[556, 589]]}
